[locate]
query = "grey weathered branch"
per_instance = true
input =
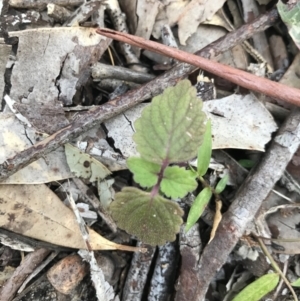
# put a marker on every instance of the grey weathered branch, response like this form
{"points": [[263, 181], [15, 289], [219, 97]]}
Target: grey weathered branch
{"points": [[116, 106], [248, 200], [102, 71]]}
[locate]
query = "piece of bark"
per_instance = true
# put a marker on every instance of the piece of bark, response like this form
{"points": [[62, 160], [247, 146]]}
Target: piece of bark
{"points": [[13, 20], [45, 118], [131, 98], [247, 201], [82, 13], [57, 70], [138, 274], [279, 52], [27, 266], [161, 287], [42, 4], [103, 71], [251, 11], [5, 51], [119, 22], [58, 13], [190, 248], [66, 274]]}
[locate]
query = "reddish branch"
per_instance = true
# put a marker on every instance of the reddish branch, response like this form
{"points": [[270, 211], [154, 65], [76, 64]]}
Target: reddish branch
{"points": [[239, 77]]}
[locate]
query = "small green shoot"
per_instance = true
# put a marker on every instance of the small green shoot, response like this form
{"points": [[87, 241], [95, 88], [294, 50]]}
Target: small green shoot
{"points": [[296, 283], [221, 185], [198, 207], [259, 288], [169, 131], [203, 198], [204, 153]]}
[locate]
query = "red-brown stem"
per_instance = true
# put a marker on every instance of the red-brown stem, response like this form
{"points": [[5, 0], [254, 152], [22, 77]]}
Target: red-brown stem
{"points": [[239, 77]]}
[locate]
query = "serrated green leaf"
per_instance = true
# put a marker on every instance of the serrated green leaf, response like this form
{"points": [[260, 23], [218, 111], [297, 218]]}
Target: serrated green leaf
{"points": [[84, 165], [258, 289], [177, 182], [221, 184], [171, 128], [154, 220], [145, 173], [204, 152], [296, 283], [198, 207]]}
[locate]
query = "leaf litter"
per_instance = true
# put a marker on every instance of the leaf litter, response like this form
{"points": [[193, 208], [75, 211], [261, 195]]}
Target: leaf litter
{"points": [[239, 122]]}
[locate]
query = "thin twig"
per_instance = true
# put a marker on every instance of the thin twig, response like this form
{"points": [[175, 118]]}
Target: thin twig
{"points": [[276, 267]]}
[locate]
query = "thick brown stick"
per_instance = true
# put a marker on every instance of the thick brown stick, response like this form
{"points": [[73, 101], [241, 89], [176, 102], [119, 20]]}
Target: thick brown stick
{"points": [[116, 106], [239, 77]]}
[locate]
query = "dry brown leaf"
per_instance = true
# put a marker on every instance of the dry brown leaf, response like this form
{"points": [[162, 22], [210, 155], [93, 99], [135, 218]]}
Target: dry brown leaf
{"points": [[14, 137], [195, 13], [217, 220], [248, 126], [35, 211], [56, 63]]}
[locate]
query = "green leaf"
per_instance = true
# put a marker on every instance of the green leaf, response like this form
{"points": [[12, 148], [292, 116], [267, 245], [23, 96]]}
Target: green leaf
{"points": [[84, 165], [171, 128], [291, 17], [204, 152], [259, 288], [154, 220], [246, 163], [222, 184], [177, 182], [145, 173], [198, 207], [296, 283]]}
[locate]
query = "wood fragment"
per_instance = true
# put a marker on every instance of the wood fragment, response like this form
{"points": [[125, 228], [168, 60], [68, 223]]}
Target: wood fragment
{"points": [[104, 71], [58, 13], [138, 274], [190, 248], [82, 13], [131, 98], [119, 22], [67, 274], [42, 4], [9, 289], [161, 287]]}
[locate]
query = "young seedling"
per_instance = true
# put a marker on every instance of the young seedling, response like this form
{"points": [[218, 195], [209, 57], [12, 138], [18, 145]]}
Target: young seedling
{"points": [[169, 131], [203, 198]]}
